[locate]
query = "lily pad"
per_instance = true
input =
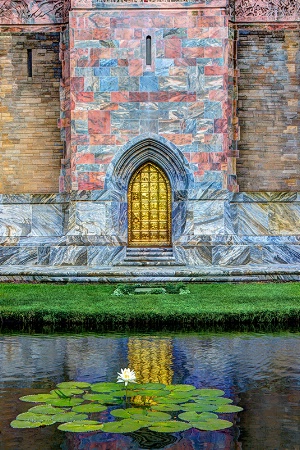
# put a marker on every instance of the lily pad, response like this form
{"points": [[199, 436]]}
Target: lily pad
{"points": [[212, 424], [67, 392], [229, 409], [171, 426], [167, 407], [207, 416], [152, 392], [129, 393], [74, 385], [26, 424], [101, 398], [131, 411], [89, 408], [199, 407], [38, 398], [83, 426], [189, 416], [209, 392], [178, 395], [170, 400], [106, 387], [69, 417], [46, 409], [120, 413], [180, 387], [31, 417], [151, 416], [151, 386], [217, 400], [124, 426], [64, 402]]}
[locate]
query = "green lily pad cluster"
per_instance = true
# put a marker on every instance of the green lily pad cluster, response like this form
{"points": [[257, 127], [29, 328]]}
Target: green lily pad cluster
{"points": [[77, 407]]}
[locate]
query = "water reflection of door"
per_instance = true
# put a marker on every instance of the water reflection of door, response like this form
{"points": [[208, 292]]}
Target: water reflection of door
{"points": [[149, 208]]}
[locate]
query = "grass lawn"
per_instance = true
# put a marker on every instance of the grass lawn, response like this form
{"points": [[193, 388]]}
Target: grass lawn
{"points": [[94, 305]]}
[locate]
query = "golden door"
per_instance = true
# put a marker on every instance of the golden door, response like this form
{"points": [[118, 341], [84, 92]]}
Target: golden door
{"points": [[149, 208]]}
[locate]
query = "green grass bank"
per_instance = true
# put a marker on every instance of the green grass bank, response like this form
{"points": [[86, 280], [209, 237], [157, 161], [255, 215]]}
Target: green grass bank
{"points": [[94, 306]]}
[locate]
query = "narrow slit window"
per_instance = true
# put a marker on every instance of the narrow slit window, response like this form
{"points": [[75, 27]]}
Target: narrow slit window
{"points": [[29, 62], [148, 50]]}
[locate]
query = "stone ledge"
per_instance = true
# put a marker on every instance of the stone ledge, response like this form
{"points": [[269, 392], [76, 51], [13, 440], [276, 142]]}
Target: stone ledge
{"points": [[192, 274]]}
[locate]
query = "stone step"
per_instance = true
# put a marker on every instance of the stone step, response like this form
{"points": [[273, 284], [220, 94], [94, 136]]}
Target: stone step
{"points": [[140, 263], [149, 256], [149, 250]]}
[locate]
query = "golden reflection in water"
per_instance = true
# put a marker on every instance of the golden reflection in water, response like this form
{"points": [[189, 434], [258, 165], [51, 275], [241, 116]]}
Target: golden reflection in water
{"points": [[151, 359]]}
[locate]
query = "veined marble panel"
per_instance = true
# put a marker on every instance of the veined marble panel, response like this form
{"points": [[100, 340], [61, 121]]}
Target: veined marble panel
{"points": [[43, 256], [281, 254], [199, 256], [178, 218], [90, 218], [208, 217], [15, 220], [68, 255], [47, 220], [104, 255], [18, 256], [87, 240], [234, 255], [284, 218], [253, 219], [208, 191]]}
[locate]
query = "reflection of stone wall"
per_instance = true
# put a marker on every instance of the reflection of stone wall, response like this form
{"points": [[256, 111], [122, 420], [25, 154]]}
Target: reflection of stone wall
{"points": [[220, 229]]}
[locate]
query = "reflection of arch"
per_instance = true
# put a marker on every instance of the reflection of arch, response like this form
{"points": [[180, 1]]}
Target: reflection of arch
{"points": [[149, 207], [148, 148]]}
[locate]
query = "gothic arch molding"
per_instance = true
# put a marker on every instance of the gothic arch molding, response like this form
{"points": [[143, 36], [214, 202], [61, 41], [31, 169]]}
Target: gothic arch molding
{"points": [[139, 151], [154, 149]]}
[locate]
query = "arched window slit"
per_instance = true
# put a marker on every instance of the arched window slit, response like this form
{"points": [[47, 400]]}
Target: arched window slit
{"points": [[148, 50], [29, 62]]}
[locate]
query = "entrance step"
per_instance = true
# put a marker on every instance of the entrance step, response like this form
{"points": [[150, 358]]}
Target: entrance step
{"points": [[146, 256]]}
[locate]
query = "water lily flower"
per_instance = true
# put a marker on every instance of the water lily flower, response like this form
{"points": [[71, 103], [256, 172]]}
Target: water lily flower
{"points": [[126, 376]]}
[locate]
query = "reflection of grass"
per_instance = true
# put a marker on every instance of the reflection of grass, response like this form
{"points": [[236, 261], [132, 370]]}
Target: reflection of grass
{"points": [[207, 304]]}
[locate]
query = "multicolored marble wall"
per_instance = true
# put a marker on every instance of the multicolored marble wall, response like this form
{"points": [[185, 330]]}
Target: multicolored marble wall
{"points": [[181, 97]]}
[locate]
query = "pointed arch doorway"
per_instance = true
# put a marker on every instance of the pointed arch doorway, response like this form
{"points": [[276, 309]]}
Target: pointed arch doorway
{"points": [[149, 208]]}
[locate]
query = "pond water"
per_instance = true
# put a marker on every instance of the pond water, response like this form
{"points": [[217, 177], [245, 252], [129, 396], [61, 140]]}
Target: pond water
{"points": [[259, 372]]}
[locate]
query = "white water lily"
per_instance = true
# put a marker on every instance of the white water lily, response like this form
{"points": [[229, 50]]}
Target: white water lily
{"points": [[126, 376]]}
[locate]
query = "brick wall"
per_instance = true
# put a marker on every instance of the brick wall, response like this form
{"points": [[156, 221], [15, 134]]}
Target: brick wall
{"points": [[30, 143], [268, 109]]}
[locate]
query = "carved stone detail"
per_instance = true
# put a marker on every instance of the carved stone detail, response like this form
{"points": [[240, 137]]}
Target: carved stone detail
{"points": [[33, 11], [266, 10]]}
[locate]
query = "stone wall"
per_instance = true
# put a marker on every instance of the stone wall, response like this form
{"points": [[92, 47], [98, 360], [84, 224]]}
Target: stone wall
{"points": [[79, 229], [268, 108], [31, 148], [181, 97]]}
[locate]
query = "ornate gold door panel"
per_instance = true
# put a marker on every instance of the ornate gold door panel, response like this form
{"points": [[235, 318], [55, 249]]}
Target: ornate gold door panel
{"points": [[149, 208]]}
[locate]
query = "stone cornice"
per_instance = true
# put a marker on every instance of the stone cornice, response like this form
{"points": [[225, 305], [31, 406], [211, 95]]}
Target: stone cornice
{"points": [[265, 10], [46, 12]]}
